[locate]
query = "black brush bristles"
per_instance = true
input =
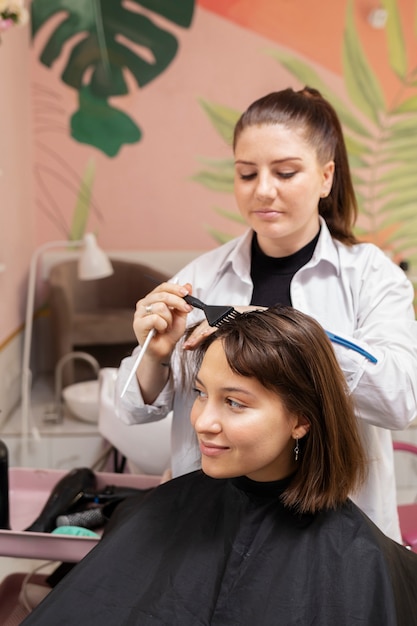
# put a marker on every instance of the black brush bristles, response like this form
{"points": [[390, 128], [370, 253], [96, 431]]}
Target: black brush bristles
{"points": [[215, 315]]}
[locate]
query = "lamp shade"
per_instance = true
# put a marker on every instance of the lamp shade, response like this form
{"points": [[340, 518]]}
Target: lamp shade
{"points": [[93, 263]]}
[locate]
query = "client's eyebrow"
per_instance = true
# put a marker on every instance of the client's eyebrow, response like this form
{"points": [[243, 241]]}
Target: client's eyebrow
{"points": [[228, 389]]}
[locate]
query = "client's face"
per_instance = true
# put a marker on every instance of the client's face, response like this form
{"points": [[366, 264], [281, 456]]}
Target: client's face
{"points": [[242, 428]]}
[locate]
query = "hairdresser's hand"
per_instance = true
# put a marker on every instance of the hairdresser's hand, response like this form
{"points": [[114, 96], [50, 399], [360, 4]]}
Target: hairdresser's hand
{"points": [[201, 331], [165, 310]]}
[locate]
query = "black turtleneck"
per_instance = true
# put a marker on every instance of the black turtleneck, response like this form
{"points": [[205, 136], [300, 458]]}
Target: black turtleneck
{"points": [[272, 276], [272, 489]]}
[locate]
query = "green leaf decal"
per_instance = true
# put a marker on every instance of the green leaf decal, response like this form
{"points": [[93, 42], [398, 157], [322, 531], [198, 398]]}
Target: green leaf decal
{"points": [[361, 82], [98, 124], [82, 207], [308, 76], [180, 13], [381, 141], [395, 39], [101, 22], [223, 119], [218, 236], [407, 106], [214, 181], [233, 216], [106, 38]]}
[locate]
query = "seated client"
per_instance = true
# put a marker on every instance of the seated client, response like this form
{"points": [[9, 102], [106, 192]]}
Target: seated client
{"points": [[265, 532]]}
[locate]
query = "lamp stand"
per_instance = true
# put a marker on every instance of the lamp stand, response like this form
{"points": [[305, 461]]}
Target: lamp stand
{"points": [[27, 426]]}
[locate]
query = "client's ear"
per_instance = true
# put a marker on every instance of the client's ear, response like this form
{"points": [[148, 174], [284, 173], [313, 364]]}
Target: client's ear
{"points": [[301, 427]]}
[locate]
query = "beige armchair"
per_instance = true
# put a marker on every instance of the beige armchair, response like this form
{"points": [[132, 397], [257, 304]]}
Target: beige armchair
{"points": [[97, 312]]}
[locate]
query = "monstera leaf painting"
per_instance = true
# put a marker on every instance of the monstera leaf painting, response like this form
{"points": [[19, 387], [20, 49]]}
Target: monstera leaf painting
{"points": [[381, 137], [106, 39]]}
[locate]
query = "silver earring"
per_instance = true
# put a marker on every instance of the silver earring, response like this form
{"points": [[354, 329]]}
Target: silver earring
{"points": [[296, 449]]}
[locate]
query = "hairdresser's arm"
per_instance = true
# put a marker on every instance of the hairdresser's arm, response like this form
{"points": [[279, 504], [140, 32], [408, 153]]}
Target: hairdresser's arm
{"points": [[150, 393], [385, 393], [165, 311], [131, 408]]}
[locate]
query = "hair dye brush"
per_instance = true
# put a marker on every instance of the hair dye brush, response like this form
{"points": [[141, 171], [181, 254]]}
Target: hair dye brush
{"points": [[69, 491], [215, 315]]}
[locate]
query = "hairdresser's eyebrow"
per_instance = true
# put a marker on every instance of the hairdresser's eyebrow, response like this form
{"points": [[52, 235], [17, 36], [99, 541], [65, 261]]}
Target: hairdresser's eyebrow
{"points": [[274, 162], [229, 389]]}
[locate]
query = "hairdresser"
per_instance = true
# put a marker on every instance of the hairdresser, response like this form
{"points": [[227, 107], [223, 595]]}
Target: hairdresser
{"points": [[294, 189]]}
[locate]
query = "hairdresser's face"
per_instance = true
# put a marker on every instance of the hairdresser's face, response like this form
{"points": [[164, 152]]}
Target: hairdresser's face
{"points": [[242, 428], [278, 185]]}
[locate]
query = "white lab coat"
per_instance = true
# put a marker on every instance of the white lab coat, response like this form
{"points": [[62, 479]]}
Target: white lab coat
{"points": [[355, 292]]}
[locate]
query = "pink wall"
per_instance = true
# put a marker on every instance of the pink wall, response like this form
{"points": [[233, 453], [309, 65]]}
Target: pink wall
{"points": [[315, 29], [16, 209], [144, 198]]}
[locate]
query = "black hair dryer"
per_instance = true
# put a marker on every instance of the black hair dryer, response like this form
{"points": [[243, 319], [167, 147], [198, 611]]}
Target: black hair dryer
{"points": [[69, 491]]}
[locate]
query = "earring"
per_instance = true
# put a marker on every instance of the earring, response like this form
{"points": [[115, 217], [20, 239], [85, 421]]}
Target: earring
{"points": [[296, 449]]}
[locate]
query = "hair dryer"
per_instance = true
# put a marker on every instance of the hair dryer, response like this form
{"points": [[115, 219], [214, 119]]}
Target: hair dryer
{"points": [[65, 495]]}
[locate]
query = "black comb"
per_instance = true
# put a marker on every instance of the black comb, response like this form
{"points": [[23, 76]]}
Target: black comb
{"points": [[215, 315]]}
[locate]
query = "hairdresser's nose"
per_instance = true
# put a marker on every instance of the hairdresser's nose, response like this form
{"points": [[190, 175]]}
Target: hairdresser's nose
{"points": [[265, 188], [205, 418]]}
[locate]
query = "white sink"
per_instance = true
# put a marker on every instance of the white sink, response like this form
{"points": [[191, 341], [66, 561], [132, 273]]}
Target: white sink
{"points": [[147, 447], [82, 399]]}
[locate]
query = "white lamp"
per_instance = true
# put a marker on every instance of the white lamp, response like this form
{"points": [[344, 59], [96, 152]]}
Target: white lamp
{"points": [[93, 264]]}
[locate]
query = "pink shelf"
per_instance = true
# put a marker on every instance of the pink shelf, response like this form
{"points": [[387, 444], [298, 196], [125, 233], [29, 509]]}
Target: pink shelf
{"points": [[29, 489]]}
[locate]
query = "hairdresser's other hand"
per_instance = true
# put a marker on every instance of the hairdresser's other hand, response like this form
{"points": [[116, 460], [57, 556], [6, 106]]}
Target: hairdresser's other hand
{"points": [[165, 310], [203, 329]]}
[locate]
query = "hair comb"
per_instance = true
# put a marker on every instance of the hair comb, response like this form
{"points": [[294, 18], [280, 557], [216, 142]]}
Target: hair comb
{"points": [[215, 315]]}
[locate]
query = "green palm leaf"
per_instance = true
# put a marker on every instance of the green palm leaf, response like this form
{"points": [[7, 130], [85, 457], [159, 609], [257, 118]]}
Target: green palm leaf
{"points": [[407, 106], [214, 181], [395, 39], [398, 172], [400, 151], [308, 76], [382, 153], [218, 236], [403, 236], [221, 165], [230, 215], [98, 57], [400, 202], [102, 22], [362, 84], [356, 148], [223, 119], [82, 207], [101, 125], [220, 176]]}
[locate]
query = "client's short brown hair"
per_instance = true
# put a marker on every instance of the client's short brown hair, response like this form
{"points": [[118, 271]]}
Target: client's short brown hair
{"points": [[289, 352]]}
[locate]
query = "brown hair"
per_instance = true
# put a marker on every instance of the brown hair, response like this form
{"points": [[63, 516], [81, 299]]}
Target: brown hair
{"points": [[308, 110], [288, 352]]}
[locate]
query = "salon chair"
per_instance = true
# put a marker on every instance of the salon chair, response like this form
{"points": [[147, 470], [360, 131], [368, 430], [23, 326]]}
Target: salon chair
{"points": [[408, 512], [95, 314]]}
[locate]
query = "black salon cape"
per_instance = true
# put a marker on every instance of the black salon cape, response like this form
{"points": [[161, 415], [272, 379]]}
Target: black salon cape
{"points": [[202, 551]]}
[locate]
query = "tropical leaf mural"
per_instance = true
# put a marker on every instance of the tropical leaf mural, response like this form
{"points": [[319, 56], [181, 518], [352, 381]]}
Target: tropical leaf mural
{"points": [[107, 39], [83, 204], [381, 137]]}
